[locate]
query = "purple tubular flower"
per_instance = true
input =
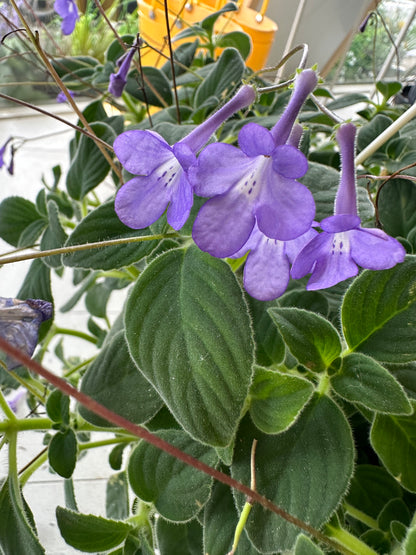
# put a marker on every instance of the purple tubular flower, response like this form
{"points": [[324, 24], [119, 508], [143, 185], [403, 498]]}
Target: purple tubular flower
{"points": [[67, 9], [335, 254], [118, 80], [19, 324], [267, 268], [256, 183], [3, 151], [162, 169]]}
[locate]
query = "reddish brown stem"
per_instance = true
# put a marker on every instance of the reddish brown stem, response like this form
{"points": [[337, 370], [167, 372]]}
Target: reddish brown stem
{"points": [[159, 443]]}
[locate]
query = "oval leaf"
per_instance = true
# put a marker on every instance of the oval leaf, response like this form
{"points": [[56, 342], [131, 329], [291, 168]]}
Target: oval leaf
{"points": [[188, 330], [62, 453], [16, 533], [394, 440], [114, 381], [177, 490], [277, 399], [103, 224], [90, 533], [16, 214], [311, 339], [314, 455], [379, 313], [89, 167], [362, 380]]}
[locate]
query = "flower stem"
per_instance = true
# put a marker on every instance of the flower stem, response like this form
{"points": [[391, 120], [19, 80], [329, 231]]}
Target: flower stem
{"points": [[4, 406], [82, 247], [76, 333]]}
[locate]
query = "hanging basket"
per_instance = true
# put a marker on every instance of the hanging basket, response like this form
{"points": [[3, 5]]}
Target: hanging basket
{"points": [[152, 23]]}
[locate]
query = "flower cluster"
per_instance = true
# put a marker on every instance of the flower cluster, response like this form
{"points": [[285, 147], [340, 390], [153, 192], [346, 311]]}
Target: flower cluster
{"points": [[256, 204]]}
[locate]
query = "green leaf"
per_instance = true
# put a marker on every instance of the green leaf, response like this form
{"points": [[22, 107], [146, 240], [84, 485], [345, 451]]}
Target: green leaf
{"points": [[89, 167], [90, 533], [236, 39], [37, 283], [103, 224], [185, 539], [362, 380], [220, 520], [114, 381], [16, 214], [277, 399], [397, 207], [379, 313], [31, 233], [117, 497], [410, 543], [347, 100], [225, 75], [188, 330], [305, 546], [394, 440], [395, 510], [62, 453], [156, 89], [96, 300], [371, 488], [177, 490], [372, 130], [208, 22], [270, 347], [16, 532], [314, 455], [311, 339], [57, 407], [54, 235], [388, 88], [183, 54]]}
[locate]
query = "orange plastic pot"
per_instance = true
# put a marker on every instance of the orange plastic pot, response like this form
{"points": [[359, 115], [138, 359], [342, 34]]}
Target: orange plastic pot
{"points": [[152, 26], [152, 22]]}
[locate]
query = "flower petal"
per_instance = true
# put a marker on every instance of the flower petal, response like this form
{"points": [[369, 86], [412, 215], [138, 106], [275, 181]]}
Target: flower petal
{"points": [[285, 208], [141, 201], [293, 248], [375, 250], [340, 222], [181, 203], [219, 167], [223, 225], [141, 152], [304, 262], [266, 271], [289, 162], [330, 270], [255, 140]]}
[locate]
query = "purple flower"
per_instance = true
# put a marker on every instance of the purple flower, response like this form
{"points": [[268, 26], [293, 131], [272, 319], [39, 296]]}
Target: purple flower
{"points": [[19, 323], [61, 98], [256, 183], [162, 169], [67, 9], [267, 268], [335, 254], [10, 165], [118, 80]]}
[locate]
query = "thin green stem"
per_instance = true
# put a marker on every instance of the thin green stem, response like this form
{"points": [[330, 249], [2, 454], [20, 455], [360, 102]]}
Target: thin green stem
{"points": [[4, 406], [34, 387], [362, 517], [105, 442], [13, 476], [24, 424], [36, 463], [76, 333], [83, 247], [347, 540], [75, 369]]}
